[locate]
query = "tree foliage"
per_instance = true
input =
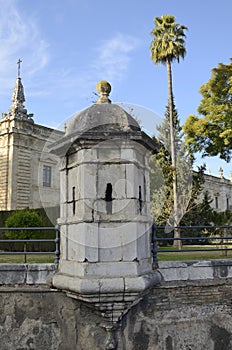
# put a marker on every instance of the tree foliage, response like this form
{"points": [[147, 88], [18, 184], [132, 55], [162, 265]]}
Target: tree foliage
{"points": [[23, 219], [211, 134], [169, 40], [189, 183], [222, 218], [200, 213]]}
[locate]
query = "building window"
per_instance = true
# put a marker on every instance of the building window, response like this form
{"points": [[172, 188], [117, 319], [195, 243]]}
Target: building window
{"points": [[227, 203], [47, 175], [216, 202]]}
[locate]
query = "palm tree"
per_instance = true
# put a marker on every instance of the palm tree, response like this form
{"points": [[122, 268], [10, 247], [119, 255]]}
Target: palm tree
{"points": [[167, 46]]}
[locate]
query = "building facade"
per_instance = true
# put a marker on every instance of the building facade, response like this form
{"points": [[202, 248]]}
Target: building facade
{"points": [[219, 190], [29, 174]]}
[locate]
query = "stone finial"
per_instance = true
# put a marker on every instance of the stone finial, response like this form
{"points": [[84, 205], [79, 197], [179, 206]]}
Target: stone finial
{"points": [[19, 65], [221, 172], [104, 89]]}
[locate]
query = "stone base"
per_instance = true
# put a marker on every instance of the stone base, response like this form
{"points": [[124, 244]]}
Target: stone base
{"points": [[112, 297]]}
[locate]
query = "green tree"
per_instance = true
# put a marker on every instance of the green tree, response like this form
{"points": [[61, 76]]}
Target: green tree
{"points": [[23, 219], [211, 134], [189, 183], [222, 219], [162, 171], [199, 213], [167, 46]]}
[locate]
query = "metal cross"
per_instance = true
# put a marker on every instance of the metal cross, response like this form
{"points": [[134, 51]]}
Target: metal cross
{"points": [[18, 63]]}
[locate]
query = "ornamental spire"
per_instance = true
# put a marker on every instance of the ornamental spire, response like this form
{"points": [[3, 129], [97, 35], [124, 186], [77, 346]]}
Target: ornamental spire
{"points": [[17, 109]]}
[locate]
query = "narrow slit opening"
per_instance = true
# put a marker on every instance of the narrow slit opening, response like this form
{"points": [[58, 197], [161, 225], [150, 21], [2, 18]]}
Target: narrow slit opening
{"points": [[140, 200], [108, 198], [74, 200]]}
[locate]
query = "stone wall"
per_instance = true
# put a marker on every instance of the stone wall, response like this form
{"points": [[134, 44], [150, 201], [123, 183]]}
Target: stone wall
{"points": [[171, 317], [176, 315]]}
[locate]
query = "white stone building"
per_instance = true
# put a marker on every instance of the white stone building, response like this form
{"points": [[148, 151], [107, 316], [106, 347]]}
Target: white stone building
{"points": [[219, 190], [29, 175]]}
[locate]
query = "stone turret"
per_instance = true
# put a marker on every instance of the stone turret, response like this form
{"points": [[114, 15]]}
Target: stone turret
{"points": [[105, 217], [17, 109], [29, 176]]}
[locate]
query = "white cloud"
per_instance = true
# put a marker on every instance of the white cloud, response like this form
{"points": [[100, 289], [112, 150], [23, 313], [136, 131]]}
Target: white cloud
{"points": [[19, 38], [114, 56], [111, 60]]}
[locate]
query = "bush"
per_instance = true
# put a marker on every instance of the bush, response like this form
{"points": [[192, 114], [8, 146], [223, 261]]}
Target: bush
{"points": [[23, 218]]}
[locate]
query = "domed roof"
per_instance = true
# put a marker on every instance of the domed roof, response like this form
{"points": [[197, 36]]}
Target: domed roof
{"points": [[102, 117], [103, 120]]}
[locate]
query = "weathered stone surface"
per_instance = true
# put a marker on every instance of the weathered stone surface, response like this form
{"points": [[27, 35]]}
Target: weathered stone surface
{"points": [[12, 273], [195, 270], [36, 320], [185, 315], [39, 273], [17, 274]]}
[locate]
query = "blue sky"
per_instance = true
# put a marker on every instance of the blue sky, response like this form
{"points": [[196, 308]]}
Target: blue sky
{"points": [[68, 46]]}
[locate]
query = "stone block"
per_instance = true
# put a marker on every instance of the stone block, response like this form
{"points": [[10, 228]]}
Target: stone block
{"points": [[109, 151], [87, 155], [83, 242], [13, 274], [125, 209], [39, 273], [200, 271], [86, 178], [174, 270], [111, 269], [71, 268], [128, 153], [110, 244], [135, 177], [143, 243]]}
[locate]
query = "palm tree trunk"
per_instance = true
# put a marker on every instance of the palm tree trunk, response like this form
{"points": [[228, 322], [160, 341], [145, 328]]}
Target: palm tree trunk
{"points": [[176, 243]]}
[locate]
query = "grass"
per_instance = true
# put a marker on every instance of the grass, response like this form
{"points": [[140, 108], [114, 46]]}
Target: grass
{"points": [[170, 256], [200, 255], [31, 259]]}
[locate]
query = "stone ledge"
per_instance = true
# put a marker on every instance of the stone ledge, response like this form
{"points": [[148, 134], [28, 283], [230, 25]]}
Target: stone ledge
{"points": [[25, 274], [192, 270], [96, 286]]}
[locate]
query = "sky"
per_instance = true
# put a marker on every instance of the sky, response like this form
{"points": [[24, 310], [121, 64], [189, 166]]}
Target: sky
{"points": [[66, 47]]}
